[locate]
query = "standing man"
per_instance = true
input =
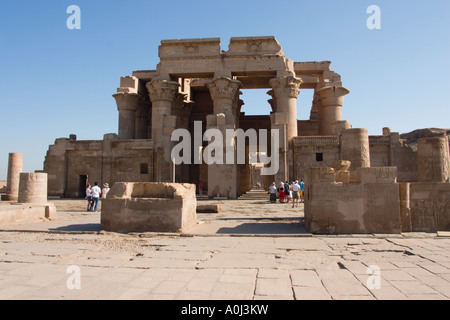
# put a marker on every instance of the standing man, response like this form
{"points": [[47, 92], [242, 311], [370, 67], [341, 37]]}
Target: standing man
{"points": [[95, 196], [273, 193], [302, 190], [88, 196], [295, 193]]}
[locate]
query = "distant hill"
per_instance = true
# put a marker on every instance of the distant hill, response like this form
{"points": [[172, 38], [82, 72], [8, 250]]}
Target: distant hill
{"points": [[412, 137]]}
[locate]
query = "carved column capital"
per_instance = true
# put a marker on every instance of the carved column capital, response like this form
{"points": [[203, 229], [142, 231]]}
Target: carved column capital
{"points": [[285, 86], [162, 90], [126, 101], [223, 88], [332, 95]]}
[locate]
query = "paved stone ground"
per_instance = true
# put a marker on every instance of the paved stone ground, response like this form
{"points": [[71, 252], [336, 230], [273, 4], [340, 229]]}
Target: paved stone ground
{"points": [[253, 250]]}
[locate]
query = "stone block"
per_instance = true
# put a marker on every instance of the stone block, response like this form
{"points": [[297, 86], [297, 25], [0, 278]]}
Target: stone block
{"points": [[321, 175], [377, 175], [209, 208], [149, 207], [26, 213], [430, 206], [371, 206], [244, 46], [207, 47]]}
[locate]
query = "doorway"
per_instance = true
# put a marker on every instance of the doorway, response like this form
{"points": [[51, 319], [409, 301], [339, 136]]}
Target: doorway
{"points": [[82, 186]]}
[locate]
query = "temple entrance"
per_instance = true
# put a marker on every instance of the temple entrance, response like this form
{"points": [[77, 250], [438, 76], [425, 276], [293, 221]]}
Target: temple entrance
{"points": [[82, 186]]}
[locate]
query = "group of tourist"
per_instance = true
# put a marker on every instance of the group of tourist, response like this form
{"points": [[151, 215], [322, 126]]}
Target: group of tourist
{"points": [[93, 194], [288, 192]]}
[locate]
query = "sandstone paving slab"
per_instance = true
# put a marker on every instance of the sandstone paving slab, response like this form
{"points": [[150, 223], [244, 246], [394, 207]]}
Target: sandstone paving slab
{"points": [[232, 291], [272, 273], [434, 268], [388, 292], [143, 262], [280, 287], [239, 260], [305, 278], [257, 297], [412, 287], [399, 275], [422, 297], [310, 293], [341, 284]]}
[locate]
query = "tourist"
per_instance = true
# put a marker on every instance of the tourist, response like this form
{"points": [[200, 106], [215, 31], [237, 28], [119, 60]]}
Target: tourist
{"points": [[105, 190], [95, 196], [302, 190], [88, 196], [273, 193], [295, 193], [281, 191], [287, 191]]}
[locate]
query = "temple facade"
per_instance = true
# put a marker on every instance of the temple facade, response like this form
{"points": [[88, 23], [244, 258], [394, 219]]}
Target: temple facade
{"points": [[196, 83]]}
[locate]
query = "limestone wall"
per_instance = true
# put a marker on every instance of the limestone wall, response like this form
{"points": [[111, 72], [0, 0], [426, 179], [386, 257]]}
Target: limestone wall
{"points": [[430, 206], [149, 207], [390, 150], [370, 205], [110, 160]]}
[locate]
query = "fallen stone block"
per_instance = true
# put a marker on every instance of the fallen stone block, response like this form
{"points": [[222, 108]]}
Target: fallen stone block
{"points": [[149, 207], [209, 208]]}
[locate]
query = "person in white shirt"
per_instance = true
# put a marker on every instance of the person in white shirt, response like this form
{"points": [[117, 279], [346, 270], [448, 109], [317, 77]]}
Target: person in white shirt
{"points": [[273, 193], [95, 196], [295, 193], [105, 190], [88, 196]]}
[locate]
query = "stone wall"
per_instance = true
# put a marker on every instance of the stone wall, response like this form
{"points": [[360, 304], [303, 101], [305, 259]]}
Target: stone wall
{"points": [[369, 205], [68, 162], [390, 150], [149, 207], [430, 206]]}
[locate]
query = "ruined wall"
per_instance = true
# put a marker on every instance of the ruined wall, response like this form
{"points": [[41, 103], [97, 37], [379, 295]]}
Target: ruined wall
{"points": [[309, 152], [109, 160], [149, 207], [390, 150], [430, 206], [370, 205]]}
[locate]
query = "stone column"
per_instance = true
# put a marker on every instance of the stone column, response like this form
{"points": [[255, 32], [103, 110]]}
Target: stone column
{"points": [[127, 105], [433, 159], [15, 165], [162, 95], [405, 206], [285, 91], [355, 148], [222, 178], [330, 108], [33, 188]]}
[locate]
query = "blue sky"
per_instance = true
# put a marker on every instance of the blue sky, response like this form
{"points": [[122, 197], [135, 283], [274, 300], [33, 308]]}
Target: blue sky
{"points": [[55, 81]]}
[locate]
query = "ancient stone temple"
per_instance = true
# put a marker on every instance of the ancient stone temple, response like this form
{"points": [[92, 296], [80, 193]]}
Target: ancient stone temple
{"points": [[196, 87]]}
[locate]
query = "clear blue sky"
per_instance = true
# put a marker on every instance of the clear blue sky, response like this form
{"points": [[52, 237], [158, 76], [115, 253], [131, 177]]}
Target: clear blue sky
{"points": [[55, 81]]}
